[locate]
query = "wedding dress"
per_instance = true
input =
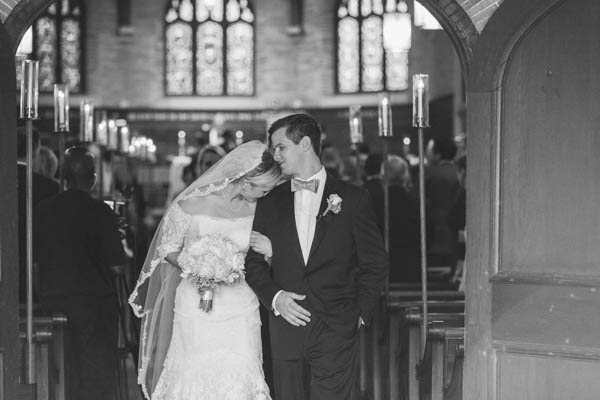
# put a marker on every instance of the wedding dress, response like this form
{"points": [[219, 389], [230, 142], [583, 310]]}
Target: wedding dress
{"points": [[217, 354], [187, 353]]}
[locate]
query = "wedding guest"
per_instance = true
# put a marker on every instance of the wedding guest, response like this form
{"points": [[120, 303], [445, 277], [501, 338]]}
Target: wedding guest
{"points": [[441, 188], [457, 217], [207, 157], [405, 230], [332, 161], [46, 163], [374, 185], [78, 242]]}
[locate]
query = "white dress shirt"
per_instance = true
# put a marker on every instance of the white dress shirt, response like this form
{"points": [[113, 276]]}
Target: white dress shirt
{"points": [[306, 208]]}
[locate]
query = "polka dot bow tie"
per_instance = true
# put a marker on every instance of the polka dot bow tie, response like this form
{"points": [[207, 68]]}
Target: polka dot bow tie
{"points": [[311, 185]]}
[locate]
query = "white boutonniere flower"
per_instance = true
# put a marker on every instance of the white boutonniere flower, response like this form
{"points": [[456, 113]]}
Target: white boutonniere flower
{"points": [[334, 204]]}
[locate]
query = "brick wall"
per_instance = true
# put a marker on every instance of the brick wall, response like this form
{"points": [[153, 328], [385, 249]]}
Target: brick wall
{"points": [[291, 71]]}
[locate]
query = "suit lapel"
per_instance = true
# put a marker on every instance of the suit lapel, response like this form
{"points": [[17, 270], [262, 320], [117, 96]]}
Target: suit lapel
{"points": [[289, 219], [322, 222]]}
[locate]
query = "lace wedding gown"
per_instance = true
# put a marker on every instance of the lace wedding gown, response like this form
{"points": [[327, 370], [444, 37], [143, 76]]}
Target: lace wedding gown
{"points": [[215, 355]]}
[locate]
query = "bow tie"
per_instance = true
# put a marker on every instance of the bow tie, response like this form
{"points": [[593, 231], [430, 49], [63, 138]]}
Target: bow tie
{"points": [[311, 185]]}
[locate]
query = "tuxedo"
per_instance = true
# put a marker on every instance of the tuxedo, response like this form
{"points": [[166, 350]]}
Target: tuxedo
{"points": [[342, 278]]}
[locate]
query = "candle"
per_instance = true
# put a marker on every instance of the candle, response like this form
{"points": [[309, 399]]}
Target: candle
{"points": [[61, 108], [86, 121], [124, 137], [385, 115], [420, 101], [181, 142], [356, 133], [113, 131], [102, 129], [29, 90]]}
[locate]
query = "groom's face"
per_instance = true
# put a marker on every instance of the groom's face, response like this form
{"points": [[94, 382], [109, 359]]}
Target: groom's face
{"points": [[286, 153]]}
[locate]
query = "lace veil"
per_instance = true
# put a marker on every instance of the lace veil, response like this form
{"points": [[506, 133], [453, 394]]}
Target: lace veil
{"points": [[153, 298]]}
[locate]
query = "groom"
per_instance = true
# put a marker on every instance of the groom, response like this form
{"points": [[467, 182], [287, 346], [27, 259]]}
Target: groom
{"points": [[327, 271]]}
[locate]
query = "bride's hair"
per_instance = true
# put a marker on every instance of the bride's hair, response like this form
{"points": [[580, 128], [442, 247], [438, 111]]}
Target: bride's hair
{"points": [[266, 174]]}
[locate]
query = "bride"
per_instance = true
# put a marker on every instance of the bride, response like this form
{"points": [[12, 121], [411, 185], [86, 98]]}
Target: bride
{"points": [[187, 353]]}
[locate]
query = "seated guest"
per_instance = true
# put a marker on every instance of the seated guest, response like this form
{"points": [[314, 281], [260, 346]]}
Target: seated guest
{"points": [[43, 187], [77, 245]]}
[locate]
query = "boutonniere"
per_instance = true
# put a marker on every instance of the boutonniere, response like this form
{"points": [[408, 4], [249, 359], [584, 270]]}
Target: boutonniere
{"points": [[334, 204]]}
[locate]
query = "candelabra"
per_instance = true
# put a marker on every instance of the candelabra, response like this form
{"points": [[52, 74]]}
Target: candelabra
{"points": [[28, 113], [421, 121]]}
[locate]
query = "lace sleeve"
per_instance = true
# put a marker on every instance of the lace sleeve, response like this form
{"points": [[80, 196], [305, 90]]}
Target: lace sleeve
{"points": [[176, 226]]}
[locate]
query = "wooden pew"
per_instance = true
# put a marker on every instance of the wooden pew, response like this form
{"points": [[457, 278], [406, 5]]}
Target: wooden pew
{"points": [[378, 364], [49, 342], [454, 388], [437, 366], [405, 338]]}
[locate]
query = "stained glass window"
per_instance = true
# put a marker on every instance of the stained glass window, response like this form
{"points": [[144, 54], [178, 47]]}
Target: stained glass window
{"points": [[209, 48], [56, 41], [364, 62]]}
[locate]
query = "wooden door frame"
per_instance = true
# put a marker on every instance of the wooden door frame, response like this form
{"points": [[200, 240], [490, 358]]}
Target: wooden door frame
{"points": [[484, 100], [9, 270], [11, 32]]}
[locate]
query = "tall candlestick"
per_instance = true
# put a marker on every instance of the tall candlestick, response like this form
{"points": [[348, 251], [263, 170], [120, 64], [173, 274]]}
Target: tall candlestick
{"points": [[421, 101], [355, 120], [420, 121], [29, 90], [385, 115], [86, 121], [61, 108]]}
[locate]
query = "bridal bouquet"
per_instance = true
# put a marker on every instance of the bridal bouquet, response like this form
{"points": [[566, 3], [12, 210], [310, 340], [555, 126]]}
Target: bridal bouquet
{"points": [[210, 261]]}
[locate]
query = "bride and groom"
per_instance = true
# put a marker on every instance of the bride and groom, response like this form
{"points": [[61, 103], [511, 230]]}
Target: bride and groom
{"points": [[312, 254]]}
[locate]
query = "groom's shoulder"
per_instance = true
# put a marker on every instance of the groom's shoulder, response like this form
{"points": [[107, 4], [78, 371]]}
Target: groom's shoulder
{"points": [[276, 192]]}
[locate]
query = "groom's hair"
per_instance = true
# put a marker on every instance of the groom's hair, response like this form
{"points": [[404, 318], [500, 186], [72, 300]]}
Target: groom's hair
{"points": [[296, 127]]}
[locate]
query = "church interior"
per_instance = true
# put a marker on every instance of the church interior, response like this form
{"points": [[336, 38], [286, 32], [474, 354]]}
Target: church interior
{"points": [[493, 281]]}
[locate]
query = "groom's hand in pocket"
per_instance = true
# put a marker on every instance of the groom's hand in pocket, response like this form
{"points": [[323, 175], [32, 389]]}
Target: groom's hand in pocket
{"points": [[286, 306]]}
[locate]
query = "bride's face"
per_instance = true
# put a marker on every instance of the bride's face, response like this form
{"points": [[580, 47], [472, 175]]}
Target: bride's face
{"points": [[252, 192]]}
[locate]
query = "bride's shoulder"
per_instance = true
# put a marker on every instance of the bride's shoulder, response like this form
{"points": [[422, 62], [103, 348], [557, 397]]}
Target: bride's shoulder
{"points": [[194, 205]]}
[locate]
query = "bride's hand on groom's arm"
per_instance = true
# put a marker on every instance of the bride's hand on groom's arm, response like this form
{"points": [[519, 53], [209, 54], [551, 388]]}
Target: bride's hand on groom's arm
{"points": [[171, 258], [261, 244], [285, 304]]}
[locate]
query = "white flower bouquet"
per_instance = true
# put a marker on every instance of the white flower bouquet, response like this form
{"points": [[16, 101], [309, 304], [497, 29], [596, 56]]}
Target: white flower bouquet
{"points": [[210, 261]]}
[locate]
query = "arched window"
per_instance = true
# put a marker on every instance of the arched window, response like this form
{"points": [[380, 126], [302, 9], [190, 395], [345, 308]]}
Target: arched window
{"points": [[209, 48], [373, 38], [56, 41]]}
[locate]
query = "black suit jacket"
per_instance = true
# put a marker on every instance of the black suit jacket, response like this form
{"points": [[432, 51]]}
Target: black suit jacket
{"points": [[77, 241], [346, 268]]}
